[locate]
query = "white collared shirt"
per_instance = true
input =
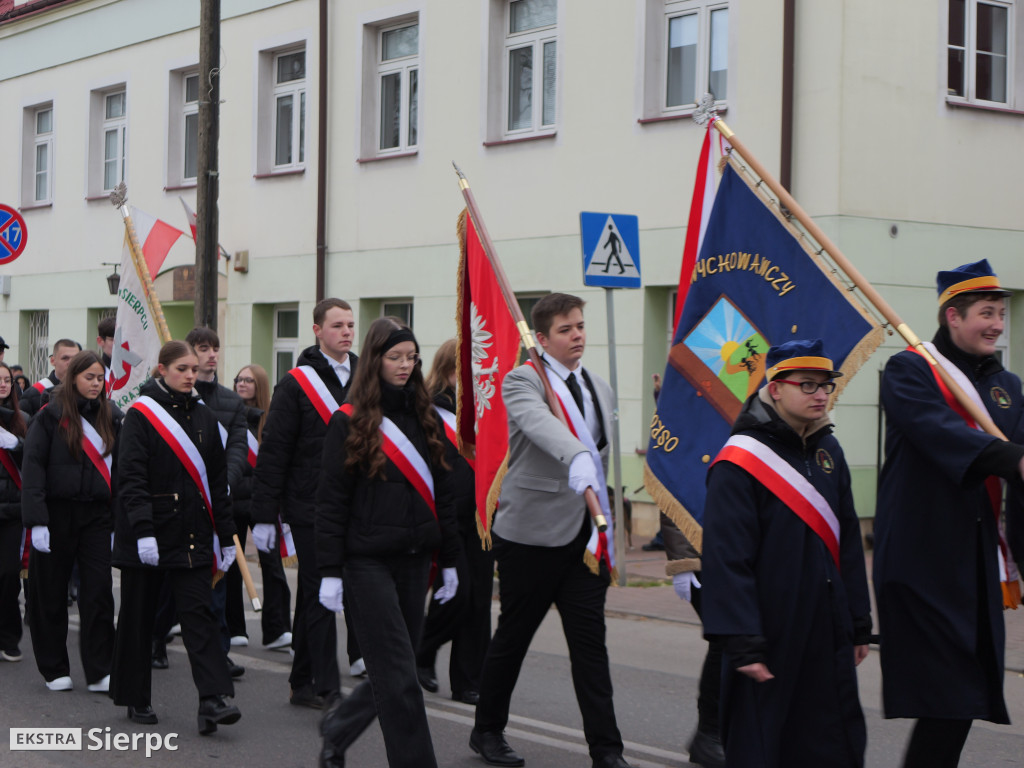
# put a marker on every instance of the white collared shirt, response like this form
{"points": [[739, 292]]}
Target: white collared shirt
{"points": [[589, 411], [342, 370]]}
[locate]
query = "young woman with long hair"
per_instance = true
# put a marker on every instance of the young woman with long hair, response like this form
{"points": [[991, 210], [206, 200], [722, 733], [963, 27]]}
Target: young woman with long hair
{"points": [[253, 385], [66, 500], [465, 620], [174, 518], [12, 537], [383, 508]]}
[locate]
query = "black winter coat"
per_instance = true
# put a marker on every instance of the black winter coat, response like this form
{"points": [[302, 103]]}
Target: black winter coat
{"points": [[379, 517], [241, 494], [229, 409], [49, 473], [157, 495], [288, 468], [32, 399], [463, 479], [10, 493]]}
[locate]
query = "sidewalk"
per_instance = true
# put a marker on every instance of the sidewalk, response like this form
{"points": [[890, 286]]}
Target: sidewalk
{"points": [[661, 602]]}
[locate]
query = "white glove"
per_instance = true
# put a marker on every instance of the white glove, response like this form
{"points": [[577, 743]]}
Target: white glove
{"points": [[41, 538], [684, 583], [7, 441], [330, 594], [227, 556], [111, 542], [451, 585], [263, 535], [149, 554], [582, 474]]}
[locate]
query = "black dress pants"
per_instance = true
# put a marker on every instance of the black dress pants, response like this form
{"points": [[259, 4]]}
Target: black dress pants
{"points": [[234, 607], [12, 538], [315, 634], [709, 692], [131, 677], [530, 580], [79, 532]]}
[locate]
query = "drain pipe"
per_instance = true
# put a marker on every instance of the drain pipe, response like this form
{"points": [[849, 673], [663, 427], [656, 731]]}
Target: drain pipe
{"points": [[788, 45], [321, 159]]}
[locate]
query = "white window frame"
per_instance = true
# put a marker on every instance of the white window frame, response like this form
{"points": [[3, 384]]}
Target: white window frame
{"points": [[33, 141], [265, 95], [297, 90], [536, 39], [703, 10], [400, 308], [178, 111], [970, 53], [405, 67], [99, 125], [118, 126], [289, 344]]}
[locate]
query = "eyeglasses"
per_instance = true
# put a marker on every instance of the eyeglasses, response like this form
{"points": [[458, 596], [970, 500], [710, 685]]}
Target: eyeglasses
{"points": [[809, 387], [5, 381], [413, 358], [244, 380]]}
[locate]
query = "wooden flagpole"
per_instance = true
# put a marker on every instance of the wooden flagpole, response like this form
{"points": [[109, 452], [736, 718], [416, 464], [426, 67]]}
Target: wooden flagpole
{"points": [[706, 112], [525, 335]]}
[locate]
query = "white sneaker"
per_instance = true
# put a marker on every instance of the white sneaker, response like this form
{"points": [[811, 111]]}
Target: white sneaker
{"points": [[100, 686], [60, 684], [358, 668], [240, 640], [175, 630], [280, 643]]}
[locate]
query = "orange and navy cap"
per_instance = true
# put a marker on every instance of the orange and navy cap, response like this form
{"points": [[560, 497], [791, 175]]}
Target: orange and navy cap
{"points": [[970, 278], [799, 355]]}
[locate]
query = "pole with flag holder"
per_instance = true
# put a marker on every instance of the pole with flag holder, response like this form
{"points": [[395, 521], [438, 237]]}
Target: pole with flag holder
{"points": [[525, 335], [705, 112], [118, 199]]}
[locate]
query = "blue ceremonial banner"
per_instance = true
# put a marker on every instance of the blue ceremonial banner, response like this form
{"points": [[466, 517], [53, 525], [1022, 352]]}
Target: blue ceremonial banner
{"points": [[754, 285]]}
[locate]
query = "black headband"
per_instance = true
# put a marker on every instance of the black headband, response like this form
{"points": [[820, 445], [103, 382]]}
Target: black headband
{"points": [[397, 336]]}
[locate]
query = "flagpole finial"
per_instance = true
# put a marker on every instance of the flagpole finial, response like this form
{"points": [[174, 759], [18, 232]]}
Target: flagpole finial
{"points": [[463, 182], [705, 110], [119, 195]]}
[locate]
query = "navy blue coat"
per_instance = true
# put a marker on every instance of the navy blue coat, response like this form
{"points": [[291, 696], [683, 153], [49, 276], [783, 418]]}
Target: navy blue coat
{"points": [[773, 594], [935, 565]]}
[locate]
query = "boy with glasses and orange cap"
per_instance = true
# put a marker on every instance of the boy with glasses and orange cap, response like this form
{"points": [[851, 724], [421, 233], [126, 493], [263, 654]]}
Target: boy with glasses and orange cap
{"points": [[785, 587]]}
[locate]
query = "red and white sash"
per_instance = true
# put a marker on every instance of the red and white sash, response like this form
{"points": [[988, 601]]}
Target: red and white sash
{"points": [[220, 428], [11, 466], [254, 448], [792, 488], [451, 430], [285, 542], [94, 447], [1008, 574], [316, 391], [26, 533], [42, 385], [187, 453], [403, 454], [601, 544]]}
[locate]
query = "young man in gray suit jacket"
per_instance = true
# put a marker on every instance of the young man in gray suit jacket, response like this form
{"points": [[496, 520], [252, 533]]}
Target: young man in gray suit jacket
{"points": [[540, 535]]}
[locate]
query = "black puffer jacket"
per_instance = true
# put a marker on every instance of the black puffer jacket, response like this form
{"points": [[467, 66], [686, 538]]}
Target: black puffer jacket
{"points": [[463, 482], [157, 495], [50, 474], [358, 515], [10, 493], [229, 409], [32, 399], [241, 494], [289, 463]]}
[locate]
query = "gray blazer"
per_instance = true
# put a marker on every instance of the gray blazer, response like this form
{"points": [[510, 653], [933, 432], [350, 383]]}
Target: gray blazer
{"points": [[537, 506]]}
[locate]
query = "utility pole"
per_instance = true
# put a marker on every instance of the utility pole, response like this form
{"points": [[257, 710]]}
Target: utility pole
{"points": [[207, 185]]}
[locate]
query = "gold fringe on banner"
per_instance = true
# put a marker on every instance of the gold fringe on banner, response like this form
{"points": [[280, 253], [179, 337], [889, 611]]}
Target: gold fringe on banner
{"points": [[676, 512]]}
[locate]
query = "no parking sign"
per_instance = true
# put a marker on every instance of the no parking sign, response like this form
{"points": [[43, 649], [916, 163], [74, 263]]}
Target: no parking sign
{"points": [[13, 234]]}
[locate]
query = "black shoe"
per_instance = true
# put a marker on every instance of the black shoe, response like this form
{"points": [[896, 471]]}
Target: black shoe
{"points": [[330, 757], [235, 670], [428, 678], [144, 715], [214, 711], [466, 697], [653, 546], [706, 750], [493, 748], [305, 696], [610, 761], [159, 658]]}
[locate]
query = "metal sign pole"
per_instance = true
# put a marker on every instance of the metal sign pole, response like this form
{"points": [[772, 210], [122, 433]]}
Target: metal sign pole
{"points": [[613, 379]]}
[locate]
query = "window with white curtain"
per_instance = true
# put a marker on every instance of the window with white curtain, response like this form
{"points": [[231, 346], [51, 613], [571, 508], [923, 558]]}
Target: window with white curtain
{"points": [[696, 45], [531, 66], [42, 177], [115, 136], [289, 98], [398, 80], [190, 126], [980, 51]]}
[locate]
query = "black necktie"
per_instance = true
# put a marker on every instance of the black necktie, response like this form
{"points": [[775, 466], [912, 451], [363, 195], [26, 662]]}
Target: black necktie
{"points": [[577, 393]]}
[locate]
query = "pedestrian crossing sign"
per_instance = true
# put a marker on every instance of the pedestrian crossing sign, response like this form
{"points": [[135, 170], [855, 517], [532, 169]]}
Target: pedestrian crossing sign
{"points": [[611, 249]]}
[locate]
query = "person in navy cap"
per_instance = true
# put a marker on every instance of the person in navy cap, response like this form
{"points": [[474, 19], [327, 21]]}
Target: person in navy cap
{"points": [[937, 546], [784, 580]]}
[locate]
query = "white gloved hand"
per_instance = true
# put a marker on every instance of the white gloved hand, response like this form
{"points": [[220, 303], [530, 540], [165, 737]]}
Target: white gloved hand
{"points": [[7, 441], [331, 593], [41, 538], [684, 583], [263, 536], [451, 586], [149, 553], [227, 556], [582, 474]]}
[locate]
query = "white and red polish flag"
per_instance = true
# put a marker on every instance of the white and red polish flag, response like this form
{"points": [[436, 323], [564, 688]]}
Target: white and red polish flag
{"points": [[700, 211], [192, 225]]}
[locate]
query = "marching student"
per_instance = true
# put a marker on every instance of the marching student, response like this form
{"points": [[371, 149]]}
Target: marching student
{"points": [[36, 396], [383, 507], [173, 517], [66, 500], [938, 555], [253, 385], [784, 581], [12, 533], [466, 619], [284, 484]]}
